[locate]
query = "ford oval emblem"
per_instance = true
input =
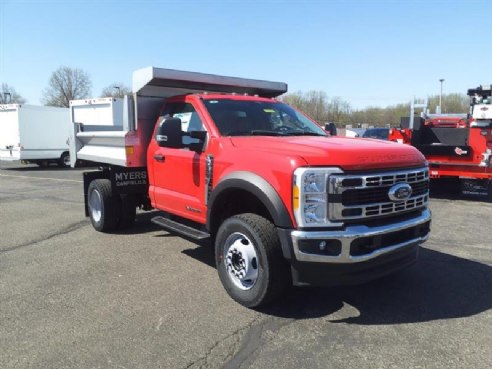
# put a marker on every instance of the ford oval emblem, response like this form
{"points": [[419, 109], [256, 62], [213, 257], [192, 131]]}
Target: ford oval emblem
{"points": [[400, 192]]}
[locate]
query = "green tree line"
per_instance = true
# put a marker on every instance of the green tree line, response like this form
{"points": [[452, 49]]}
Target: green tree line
{"points": [[323, 109]]}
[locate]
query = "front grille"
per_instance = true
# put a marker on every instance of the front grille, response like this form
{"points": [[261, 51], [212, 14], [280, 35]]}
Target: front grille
{"points": [[378, 194], [366, 195]]}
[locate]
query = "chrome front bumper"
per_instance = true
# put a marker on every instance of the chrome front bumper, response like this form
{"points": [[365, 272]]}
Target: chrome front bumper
{"points": [[352, 233]]}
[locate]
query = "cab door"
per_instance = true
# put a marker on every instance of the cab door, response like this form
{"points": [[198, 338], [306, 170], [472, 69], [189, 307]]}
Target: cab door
{"points": [[179, 174]]}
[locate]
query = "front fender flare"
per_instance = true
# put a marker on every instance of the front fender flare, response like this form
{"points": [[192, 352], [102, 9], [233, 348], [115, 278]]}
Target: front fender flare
{"points": [[257, 186]]}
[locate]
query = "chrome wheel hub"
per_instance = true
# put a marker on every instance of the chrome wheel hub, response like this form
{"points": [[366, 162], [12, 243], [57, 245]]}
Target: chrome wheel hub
{"points": [[241, 261], [95, 205]]}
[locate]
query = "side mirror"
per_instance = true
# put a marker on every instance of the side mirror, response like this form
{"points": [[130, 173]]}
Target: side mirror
{"points": [[169, 133], [331, 128], [197, 140]]}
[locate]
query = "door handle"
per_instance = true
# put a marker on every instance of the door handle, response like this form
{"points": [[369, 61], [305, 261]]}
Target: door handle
{"points": [[159, 157]]}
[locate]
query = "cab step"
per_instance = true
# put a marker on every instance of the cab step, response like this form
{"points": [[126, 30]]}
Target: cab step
{"points": [[180, 228]]}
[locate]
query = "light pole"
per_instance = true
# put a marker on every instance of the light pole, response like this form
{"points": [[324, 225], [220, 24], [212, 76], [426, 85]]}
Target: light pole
{"points": [[440, 96], [117, 88]]}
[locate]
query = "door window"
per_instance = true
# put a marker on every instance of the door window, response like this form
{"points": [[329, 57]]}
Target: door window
{"points": [[190, 120]]}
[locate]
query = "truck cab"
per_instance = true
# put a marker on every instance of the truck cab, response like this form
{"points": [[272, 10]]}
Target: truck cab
{"points": [[280, 201], [238, 134]]}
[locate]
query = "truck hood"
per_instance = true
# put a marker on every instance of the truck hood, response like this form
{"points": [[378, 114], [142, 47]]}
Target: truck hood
{"points": [[343, 152]]}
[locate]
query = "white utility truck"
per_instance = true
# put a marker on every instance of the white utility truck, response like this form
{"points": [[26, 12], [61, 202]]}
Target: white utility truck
{"points": [[34, 134]]}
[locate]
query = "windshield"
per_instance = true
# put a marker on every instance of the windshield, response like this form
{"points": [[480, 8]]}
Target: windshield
{"points": [[262, 118], [477, 99], [380, 133]]}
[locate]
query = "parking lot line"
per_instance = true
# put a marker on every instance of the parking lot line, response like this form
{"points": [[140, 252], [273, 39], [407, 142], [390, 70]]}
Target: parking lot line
{"points": [[43, 178]]}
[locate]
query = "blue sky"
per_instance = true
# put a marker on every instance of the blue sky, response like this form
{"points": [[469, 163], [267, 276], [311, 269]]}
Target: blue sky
{"points": [[367, 52]]}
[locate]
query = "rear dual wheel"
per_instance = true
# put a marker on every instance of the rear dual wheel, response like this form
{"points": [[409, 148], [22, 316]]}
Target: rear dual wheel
{"points": [[109, 211]]}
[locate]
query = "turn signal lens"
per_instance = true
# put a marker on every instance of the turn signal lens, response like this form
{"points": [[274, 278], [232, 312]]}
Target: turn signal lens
{"points": [[295, 197]]}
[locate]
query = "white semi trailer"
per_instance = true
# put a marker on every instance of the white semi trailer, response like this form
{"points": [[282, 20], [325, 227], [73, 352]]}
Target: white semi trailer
{"points": [[34, 134]]}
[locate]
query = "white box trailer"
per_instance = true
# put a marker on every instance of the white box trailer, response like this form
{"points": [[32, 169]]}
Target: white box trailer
{"points": [[34, 134], [118, 131]]}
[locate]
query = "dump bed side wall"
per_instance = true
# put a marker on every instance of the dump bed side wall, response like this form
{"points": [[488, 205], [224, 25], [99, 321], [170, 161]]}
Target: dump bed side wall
{"points": [[99, 130], [106, 112], [115, 133]]}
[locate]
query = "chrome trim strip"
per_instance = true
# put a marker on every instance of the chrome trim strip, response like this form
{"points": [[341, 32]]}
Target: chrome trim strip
{"points": [[351, 233], [368, 180]]}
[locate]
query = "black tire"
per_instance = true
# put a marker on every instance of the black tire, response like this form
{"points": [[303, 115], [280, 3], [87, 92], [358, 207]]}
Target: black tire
{"points": [[64, 161], [128, 212], [273, 274], [104, 208], [42, 163]]}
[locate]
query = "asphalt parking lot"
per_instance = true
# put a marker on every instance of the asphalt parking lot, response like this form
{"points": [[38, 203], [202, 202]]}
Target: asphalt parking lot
{"points": [[71, 297]]}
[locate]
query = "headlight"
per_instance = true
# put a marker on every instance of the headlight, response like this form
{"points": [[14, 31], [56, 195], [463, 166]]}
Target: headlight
{"points": [[310, 201]]}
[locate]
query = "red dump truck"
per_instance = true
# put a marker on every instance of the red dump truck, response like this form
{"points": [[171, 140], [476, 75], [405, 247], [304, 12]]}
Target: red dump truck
{"points": [[457, 146], [281, 201]]}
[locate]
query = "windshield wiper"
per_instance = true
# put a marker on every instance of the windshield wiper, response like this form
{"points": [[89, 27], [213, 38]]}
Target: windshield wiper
{"points": [[303, 133], [262, 132]]}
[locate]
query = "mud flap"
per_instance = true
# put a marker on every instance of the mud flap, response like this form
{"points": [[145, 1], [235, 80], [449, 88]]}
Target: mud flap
{"points": [[480, 189]]}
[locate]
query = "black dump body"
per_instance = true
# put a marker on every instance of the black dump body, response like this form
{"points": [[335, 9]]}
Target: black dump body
{"points": [[439, 140]]}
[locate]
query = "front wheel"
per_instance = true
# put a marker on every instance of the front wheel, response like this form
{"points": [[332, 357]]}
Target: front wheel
{"points": [[249, 260]]}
